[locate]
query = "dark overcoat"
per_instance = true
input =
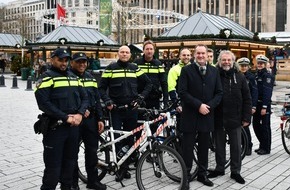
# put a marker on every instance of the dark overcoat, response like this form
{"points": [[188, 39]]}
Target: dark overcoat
{"points": [[194, 90], [236, 105]]}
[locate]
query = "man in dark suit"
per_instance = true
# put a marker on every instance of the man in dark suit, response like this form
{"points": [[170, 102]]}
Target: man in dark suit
{"points": [[200, 92]]}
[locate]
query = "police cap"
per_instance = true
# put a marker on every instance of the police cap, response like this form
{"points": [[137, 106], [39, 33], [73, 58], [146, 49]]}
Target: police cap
{"points": [[79, 56], [243, 61], [60, 52], [262, 59]]}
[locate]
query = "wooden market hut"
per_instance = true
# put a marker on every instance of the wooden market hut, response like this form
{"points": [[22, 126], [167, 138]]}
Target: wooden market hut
{"points": [[88, 40], [217, 32]]}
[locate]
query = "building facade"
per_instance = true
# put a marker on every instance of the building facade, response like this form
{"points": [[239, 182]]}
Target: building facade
{"points": [[35, 18], [255, 15]]}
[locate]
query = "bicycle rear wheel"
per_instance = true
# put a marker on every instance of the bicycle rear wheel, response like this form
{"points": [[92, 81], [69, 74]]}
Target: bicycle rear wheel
{"points": [[103, 155], [170, 169], [175, 143], [285, 135]]}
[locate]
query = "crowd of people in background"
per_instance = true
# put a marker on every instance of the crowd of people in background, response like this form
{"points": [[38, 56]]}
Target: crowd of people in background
{"points": [[216, 98]]}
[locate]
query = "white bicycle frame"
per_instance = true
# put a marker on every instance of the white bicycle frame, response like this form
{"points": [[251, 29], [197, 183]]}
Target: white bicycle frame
{"points": [[143, 141]]}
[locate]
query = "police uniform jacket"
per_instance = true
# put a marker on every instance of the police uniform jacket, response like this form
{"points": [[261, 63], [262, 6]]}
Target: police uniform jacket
{"points": [[121, 79], [173, 77], [252, 83], [59, 93], [195, 89], [156, 73], [236, 104], [91, 87], [265, 87]]}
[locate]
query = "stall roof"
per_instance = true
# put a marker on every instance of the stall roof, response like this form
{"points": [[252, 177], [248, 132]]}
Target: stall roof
{"points": [[205, 23], [74, 34], [10, 40]]}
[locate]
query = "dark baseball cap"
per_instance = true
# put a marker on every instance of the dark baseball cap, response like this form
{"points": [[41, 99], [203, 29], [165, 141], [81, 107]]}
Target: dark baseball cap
{"points": [[60, 52], [79, 56]]}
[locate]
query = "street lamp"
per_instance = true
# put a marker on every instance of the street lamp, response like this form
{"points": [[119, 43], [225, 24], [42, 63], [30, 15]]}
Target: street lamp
{"points": [[100, 42], [62, 40], [17, 46]]}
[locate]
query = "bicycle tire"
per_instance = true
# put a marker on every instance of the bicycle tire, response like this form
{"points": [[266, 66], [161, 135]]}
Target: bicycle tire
{"points": [[285, 136], [170, 165], [175, 143], [104, 155]]}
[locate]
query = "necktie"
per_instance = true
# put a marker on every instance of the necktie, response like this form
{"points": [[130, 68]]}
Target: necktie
{"points": [[202, 70]]}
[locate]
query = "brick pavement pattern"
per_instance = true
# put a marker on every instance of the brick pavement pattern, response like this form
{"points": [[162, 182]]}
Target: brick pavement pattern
{"points": [[21, 164]]}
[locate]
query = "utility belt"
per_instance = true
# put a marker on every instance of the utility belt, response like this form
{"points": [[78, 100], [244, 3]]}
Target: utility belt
{"points": [[45, 123]]}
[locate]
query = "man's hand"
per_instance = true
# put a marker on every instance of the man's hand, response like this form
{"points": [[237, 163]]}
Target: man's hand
{"points": [[245, 123], [101, 127], [75, 119], [110, 107], [263, 111], [204, 109], [87, 113], [253, 111], [179, 109]]}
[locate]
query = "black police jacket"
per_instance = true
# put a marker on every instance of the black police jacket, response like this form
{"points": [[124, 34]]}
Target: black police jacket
{"points": [[265, 83], [236, 104], [59, 93], [121, 80], [91, 87], [156, 73], [252, 83]]}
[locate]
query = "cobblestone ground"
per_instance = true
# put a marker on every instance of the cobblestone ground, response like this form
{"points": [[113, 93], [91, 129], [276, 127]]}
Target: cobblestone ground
{"points": [[21, 164]]}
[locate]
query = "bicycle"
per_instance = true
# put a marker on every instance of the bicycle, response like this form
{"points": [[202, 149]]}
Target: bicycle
{"points": [[174, 141], [284, 114], [166, 166]]}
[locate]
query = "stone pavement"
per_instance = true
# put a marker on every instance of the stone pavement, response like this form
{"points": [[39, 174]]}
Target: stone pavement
{"points": [[21, 164]]}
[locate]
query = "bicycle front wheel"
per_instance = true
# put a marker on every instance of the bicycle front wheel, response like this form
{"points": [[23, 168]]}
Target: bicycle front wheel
{"points": [[169, 169], [285, 134], [103, 155]]}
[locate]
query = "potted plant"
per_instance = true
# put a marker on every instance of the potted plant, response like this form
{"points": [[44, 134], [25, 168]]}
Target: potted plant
{"points": [[20, 67]]}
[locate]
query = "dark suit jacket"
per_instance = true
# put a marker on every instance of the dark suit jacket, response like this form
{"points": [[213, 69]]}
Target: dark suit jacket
{"points": [[195, 89]]}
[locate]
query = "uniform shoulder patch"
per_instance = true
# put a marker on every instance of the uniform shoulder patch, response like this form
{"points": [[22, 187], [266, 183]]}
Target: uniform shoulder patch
{"points": [[268, 80]]}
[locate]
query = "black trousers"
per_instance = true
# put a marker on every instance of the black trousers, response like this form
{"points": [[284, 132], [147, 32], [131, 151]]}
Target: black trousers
{"points": [[90, 135], [235, 149], [188, 141], [262, 128], [125, 120], [59, 155]]}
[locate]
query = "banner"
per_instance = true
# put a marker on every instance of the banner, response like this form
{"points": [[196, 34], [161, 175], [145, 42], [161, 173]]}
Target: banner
{"points": [[105, 17], [60, 12]]}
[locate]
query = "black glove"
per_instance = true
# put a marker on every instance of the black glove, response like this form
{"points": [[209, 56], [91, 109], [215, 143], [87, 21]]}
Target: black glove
{"points": [[109, 103], [137, 102]]}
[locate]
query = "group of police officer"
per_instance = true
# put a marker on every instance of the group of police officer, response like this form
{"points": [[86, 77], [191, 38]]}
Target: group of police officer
{"points": [[70, 97], [261, 88]]}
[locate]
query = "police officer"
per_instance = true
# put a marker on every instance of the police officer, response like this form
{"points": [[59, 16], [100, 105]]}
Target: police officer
{"points": [[261, 118], [61, 97], [174, 73], [252, 83], [173, 77], [92, 123], [156, 73], [121, 79]]}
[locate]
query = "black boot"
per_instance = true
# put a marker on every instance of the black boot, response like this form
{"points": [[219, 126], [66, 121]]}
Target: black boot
{"points": [[97, 185]]}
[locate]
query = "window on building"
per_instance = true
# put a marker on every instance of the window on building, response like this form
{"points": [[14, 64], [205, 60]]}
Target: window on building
{"points": [[86, 3], [89, 22], [73, 14], [95, 3], [63, 3], [77, 3], [69, 3]]}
